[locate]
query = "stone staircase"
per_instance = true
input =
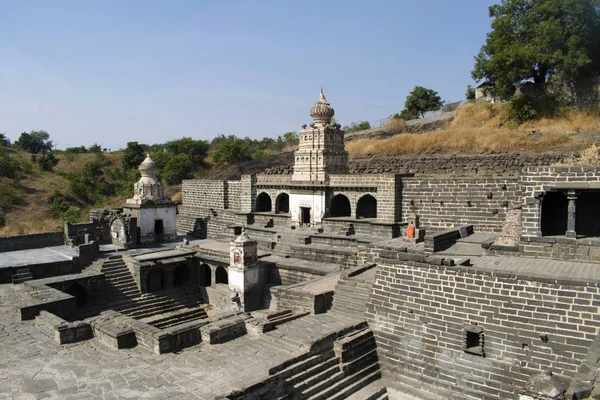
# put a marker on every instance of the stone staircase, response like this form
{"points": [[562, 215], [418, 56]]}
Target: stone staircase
{"points": [[351, 294], [349, 370], [22, 275], [163, 309]]}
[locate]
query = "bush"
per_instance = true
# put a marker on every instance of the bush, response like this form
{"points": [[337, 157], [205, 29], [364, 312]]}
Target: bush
{"points": [[522, 108], [178, 167], [47, 161], [2, 218], [62, 209]]}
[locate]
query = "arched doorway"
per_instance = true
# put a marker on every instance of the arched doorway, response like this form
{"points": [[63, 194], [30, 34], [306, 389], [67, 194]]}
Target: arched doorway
{"points": [[587, 216], [78, 291], [554, 214], [221, 275], [366, 207], [182, 275], [263, 203], [205, 275], [282, 203], [340, 206], [155, 280]]}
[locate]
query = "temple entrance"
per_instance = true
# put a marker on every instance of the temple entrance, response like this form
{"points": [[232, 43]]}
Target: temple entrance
{"points": [[155, 280], [158, 230], [340, 206], [554, 214], [221, 275], [305, 215], [205, 275], [587, 215], [181, 275], [282, 204], [263, 203], [366, 207], [78, 291]]}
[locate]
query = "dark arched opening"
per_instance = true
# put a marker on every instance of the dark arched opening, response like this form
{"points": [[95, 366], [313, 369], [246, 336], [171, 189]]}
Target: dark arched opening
{"points": [[221, 275], [554, 214], [78, 291], [205, 275], [182, 275], [282, 204], [155, 280], [340, 206], [263, 203], [366, 207], [587, 215]]}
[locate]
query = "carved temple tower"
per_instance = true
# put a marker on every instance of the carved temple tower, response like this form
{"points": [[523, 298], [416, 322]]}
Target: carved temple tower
{"points": [[155, 212], [320, 154]]}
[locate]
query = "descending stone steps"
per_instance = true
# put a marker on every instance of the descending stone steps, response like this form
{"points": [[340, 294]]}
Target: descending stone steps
{"points": [[22, 275], [166, 320], [350, 296]]}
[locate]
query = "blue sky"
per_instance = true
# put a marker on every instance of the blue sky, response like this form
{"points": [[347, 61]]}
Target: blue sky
{"points": [[110, 72]]}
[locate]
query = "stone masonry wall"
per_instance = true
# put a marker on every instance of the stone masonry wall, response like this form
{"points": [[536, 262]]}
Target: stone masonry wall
{"points": [[533, 182], [32, 241], [444, 203], [419, 313]]}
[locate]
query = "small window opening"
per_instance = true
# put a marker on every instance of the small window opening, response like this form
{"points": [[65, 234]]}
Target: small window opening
{"points": [[474, 340]]}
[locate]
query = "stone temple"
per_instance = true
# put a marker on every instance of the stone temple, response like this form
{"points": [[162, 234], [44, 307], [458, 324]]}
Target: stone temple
{"points": [[315, 283]]}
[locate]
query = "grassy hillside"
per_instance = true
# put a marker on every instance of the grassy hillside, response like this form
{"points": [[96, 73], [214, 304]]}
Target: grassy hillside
{"points": [[479, 128]]}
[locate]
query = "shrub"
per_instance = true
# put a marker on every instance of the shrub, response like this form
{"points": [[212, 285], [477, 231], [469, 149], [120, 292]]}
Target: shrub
{"points": [[47, 161], [522, 108], [2, 218]]}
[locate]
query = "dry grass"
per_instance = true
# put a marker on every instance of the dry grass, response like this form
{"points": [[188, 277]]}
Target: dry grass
{"points": [[30, 226], [480, 128], [587, 157], [394, 124]]}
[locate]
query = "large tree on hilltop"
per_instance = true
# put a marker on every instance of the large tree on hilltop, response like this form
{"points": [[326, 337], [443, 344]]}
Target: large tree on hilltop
{"points": [[539, 40], [419, 101]]}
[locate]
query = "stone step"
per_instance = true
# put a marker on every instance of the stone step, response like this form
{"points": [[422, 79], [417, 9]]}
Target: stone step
{"points": [[342, 388], [177, 318], [372, 391], [305, 374], [320, 382]]}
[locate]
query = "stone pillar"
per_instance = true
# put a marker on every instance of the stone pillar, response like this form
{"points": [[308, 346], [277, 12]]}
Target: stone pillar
{"points": [[572, 197], [246, 275]]}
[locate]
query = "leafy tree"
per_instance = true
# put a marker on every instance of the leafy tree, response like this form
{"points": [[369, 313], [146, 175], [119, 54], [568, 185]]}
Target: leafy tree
{"points": [[95, 148], [92, 171], [133, 155], [231, 151], [421, 100], [291, 138], [4, 140], [539, 40], [196, 150], [47, 161], [470, 93], [357, 126], [9, 168], [34, 141], [179, 167], [76, 150]]}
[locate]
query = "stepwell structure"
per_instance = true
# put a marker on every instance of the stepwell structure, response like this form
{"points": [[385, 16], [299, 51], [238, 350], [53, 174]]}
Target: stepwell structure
{"points": [[305, 285]]}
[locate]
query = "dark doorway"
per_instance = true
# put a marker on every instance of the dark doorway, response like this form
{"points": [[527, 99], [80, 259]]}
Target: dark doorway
{"points": [[554, 214], [366, 207], [263, 203], [205, 275], [182, 275], [305, 215], [221, 275], [282, 204], [158, 230], [155, 280], [587, 214], [78, 291], [340, 206]]}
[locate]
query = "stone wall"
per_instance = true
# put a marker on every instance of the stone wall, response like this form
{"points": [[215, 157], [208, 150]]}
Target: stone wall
{"points": [[583, 93], [31, 241], [421, 314], [535, 181], [444, 203]]}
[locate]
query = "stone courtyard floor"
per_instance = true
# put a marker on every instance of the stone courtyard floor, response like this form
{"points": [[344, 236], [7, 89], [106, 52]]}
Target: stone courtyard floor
{"points": [[33, 366]]}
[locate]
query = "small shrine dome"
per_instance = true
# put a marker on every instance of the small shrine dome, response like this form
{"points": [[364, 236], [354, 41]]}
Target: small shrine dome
{"points": [[321, 111]]}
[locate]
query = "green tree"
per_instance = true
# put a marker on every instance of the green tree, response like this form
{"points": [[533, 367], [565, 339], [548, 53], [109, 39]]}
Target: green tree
{"points": [[232, 150], [9, 168], [34, 141], [4, 140], [95, 148], [291, 138], [357, 126], [421, 100], [539, 40], [92, 171], [470, 93], [47, 161], [196, 150], [178, 167], [133, 155]]}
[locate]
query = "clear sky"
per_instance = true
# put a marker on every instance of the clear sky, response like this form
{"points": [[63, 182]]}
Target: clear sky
{"points": [[114, 71]]}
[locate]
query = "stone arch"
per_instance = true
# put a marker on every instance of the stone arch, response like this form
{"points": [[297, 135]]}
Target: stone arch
{"points": [[340, 206], [554, 214], [155, 280], [182, 275], [366, 207], [78, 291], [221, 275], [205, 275], [282, 203], [263, 202]]}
